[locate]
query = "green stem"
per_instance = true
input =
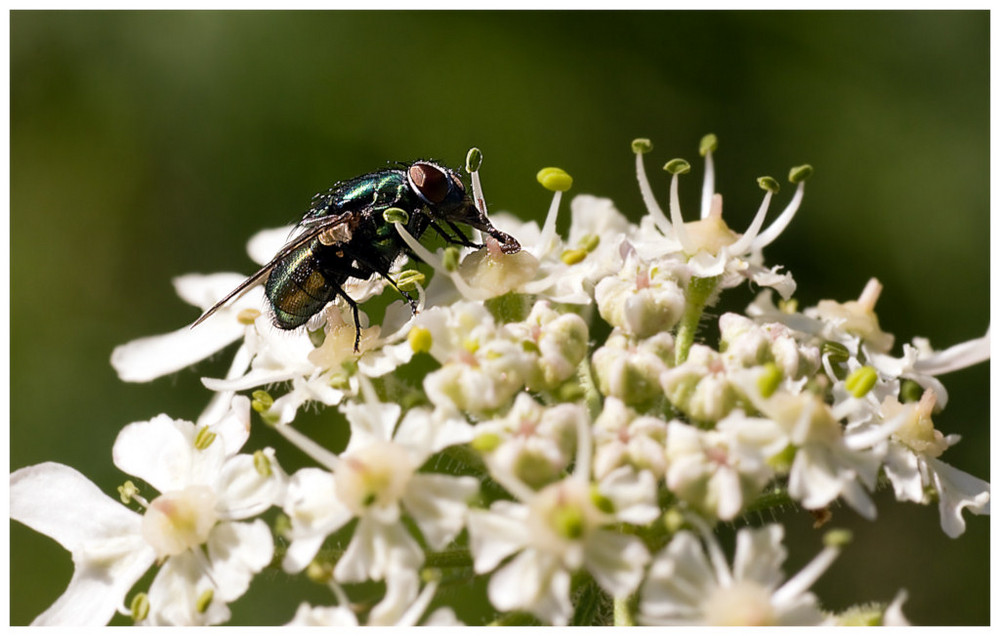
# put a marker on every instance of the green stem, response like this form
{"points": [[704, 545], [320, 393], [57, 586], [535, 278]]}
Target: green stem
{"points": [[460, 558], [588, 603], [591, 396], [777, 497], [698, 292], [623, 611]]}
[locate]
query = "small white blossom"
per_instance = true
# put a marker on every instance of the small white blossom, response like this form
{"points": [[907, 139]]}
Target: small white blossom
{"points": [[532, 442], [205, 486], [622, 437], [631, 370], [375, 480], [643, 299], [717, 471], [912, 465], [686, 587]]}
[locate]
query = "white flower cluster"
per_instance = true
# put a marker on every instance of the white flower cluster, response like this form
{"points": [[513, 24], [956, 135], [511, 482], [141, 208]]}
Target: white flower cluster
{"points": [[566, 470]]}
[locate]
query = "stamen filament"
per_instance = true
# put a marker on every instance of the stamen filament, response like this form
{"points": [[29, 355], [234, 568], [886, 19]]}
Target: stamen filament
{"points": [[659, 218], [742, 246], [708, 187], [677, 221], [768, 236], [436, 264], [322, 456], [549, 228]]}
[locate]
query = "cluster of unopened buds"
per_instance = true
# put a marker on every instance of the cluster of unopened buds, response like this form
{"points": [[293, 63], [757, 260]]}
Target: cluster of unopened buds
{"points": [[548, 420]]}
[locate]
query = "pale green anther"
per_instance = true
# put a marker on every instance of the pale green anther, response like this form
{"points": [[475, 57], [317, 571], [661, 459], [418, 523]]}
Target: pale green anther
{"points": [[201, 605], [139, 607], [396, 215], [708, 144], [602, 503], [450, 258], [261, 402], [837, 538], [554, 179], [317, 337], [430, 575], [673, 520], [568, 521], [837, 352], [127, 491], [247, 316], [641, 146], [768, 183], [262, 463], [677, 166], [263, 397], [409, 279], [473, 159], [769, 380], [589, 242], [420, 339], [204, 438], [910, 391], [860, 381], [572, 257], [789, 306], [800, 173], [319, 572], [486, 443]]}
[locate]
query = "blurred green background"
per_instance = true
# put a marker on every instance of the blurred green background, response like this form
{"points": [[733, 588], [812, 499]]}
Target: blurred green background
{"points": [[149, 145]]}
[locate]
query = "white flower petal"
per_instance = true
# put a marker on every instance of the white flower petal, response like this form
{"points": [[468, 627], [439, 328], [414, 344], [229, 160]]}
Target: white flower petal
{"points": [[678, 578], [162, 453], [632, 493], [759, 555], [308, 616], [263, 245], [497, 533], [151, 357], [176, 590], [237, 551], [243, 491], [315, 512], [533, 581], [400, 592], [103, 536], [378, 551], [430, 431], [957, 490], [438, 504], [233, 426], [617, 561]]}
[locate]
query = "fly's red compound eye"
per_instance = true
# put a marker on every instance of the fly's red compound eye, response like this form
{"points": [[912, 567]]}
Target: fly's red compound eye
{"points": [[429, 182]]}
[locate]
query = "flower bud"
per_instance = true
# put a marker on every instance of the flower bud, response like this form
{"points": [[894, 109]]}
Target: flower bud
{"points": [[630, 371], [642, 300]]}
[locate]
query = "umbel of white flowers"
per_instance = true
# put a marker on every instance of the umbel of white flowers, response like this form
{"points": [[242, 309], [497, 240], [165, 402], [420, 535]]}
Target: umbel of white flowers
{"points": [[583, 477]]}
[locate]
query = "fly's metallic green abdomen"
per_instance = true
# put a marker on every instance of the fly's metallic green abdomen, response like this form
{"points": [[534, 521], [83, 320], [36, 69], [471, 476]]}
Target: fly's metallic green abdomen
{"points": [[345, 235]]}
